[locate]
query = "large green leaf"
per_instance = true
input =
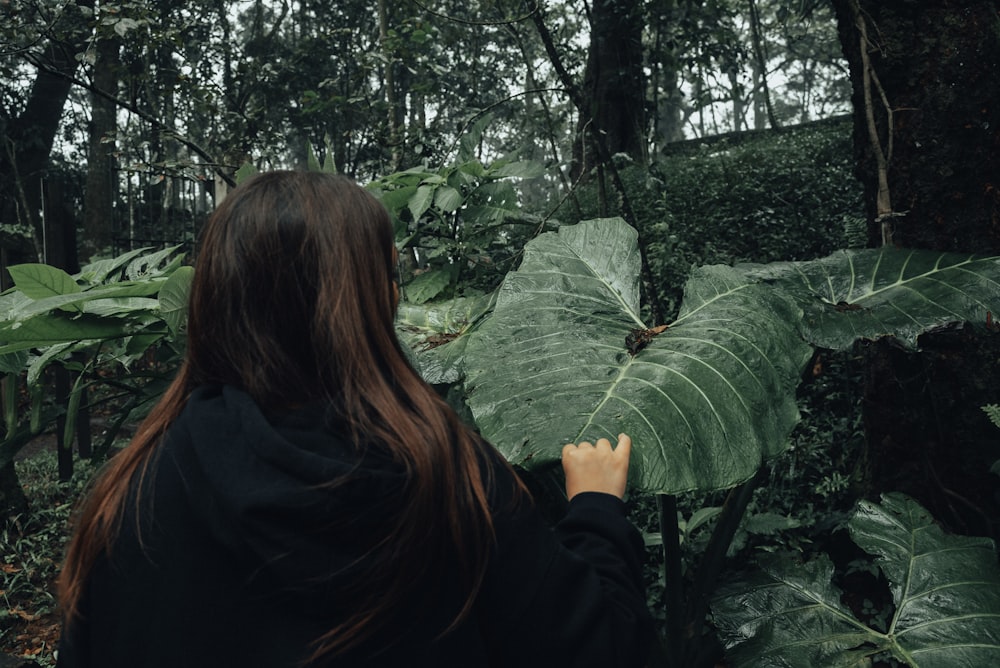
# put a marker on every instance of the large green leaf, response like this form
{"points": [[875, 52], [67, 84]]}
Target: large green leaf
{"points": [[886, 292], [946, 591], [788, 614], [438, 333], [428, 285], [173, 298], [26, 310], [53, 328], [946, 588], [705, 401]]}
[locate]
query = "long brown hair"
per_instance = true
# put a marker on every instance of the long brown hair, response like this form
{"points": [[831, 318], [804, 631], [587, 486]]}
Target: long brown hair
{"points": [[293, 301]]}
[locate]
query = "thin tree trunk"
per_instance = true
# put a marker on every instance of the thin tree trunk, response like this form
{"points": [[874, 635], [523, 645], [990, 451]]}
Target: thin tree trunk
{"points": [[760, 58], [395, 141], [102, 179]]}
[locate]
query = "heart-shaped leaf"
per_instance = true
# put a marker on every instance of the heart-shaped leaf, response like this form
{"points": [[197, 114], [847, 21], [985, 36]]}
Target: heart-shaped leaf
{"points": [[946, 588], [566, 357], [788, 614], [867, 294], [946, 591]]}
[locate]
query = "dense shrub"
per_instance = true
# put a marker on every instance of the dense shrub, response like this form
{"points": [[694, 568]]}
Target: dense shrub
{"points": [[759, 197]]}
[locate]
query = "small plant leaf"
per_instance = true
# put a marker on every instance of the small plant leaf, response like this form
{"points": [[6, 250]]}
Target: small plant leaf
{"points": [[173, 298], [491, 203], [149, 266], [39, 281], [245, 171], [421, 201], [448, 199], [428, 285], [102, 270], [120, 306], [525, 169], [993, 413]]}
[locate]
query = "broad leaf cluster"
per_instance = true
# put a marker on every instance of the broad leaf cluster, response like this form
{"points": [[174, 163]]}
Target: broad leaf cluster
{"points": [[565, 355], [103, 319]]}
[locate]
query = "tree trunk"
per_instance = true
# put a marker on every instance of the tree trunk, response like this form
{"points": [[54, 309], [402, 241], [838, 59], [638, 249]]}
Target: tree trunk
{"points": [[934, 102], [393, 107], [24, 156], [927, 144], [614, 85], [667, 100], [101, 188], [760, 63]]}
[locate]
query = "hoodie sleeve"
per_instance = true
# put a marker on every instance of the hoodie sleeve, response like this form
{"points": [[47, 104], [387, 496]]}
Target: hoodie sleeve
{"points": [[573, 596]]}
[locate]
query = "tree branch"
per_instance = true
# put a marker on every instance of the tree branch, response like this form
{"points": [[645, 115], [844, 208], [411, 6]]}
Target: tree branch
{"points": [[467, 22], [883, 200]]}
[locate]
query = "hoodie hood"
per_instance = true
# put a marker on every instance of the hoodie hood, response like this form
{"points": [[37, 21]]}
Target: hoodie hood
{"points": [[288, 495]]}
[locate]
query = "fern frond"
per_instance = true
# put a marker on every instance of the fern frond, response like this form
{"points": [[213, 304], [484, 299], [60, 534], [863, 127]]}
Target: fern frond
{"points": [[993, 411]]}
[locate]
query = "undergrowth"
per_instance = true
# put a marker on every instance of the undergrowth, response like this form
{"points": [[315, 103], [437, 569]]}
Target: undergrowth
{"points": [[31, 549]]}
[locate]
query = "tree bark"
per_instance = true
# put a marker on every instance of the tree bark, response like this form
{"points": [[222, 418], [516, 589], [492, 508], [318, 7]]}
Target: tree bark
{"points": [[668, 100], [760, 64], [927, 146], [393, 108], [934, 96]]}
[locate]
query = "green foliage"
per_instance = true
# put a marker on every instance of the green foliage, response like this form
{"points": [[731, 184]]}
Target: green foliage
{"points": [[426, 328], [993, 412], [97, 324], [32, 546], [945, 590], [722, 376], [712, 396], [459, 226], [886, 292], [743, 198]]}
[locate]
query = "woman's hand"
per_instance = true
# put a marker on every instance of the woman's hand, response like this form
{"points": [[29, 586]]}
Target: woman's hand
{"points": [[597, 468]]}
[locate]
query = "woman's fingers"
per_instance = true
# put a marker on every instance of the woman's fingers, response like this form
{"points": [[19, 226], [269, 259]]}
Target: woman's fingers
{"points": [[597, 467]]}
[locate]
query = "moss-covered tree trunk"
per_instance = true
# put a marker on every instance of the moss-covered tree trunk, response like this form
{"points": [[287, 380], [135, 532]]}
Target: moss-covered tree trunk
{"points": [[926, 91]]}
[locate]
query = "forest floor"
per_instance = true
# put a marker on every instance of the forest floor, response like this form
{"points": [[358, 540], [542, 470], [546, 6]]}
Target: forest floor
{"points": [[31, 549]]}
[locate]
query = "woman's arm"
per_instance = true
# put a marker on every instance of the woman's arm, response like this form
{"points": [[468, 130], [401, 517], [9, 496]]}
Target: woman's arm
{"points": [[575, 596]]}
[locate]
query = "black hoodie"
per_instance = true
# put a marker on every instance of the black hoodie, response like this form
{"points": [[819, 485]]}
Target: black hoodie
{"points": [[244, 555]]}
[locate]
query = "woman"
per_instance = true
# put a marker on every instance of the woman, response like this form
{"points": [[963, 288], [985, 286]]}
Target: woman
{"points": [[300, 497]]}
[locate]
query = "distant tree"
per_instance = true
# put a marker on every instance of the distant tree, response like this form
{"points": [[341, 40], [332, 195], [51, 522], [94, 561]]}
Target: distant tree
{"points": [[102, 176], [30, 121], [927, 119], [614, 84], [28, 127]]}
